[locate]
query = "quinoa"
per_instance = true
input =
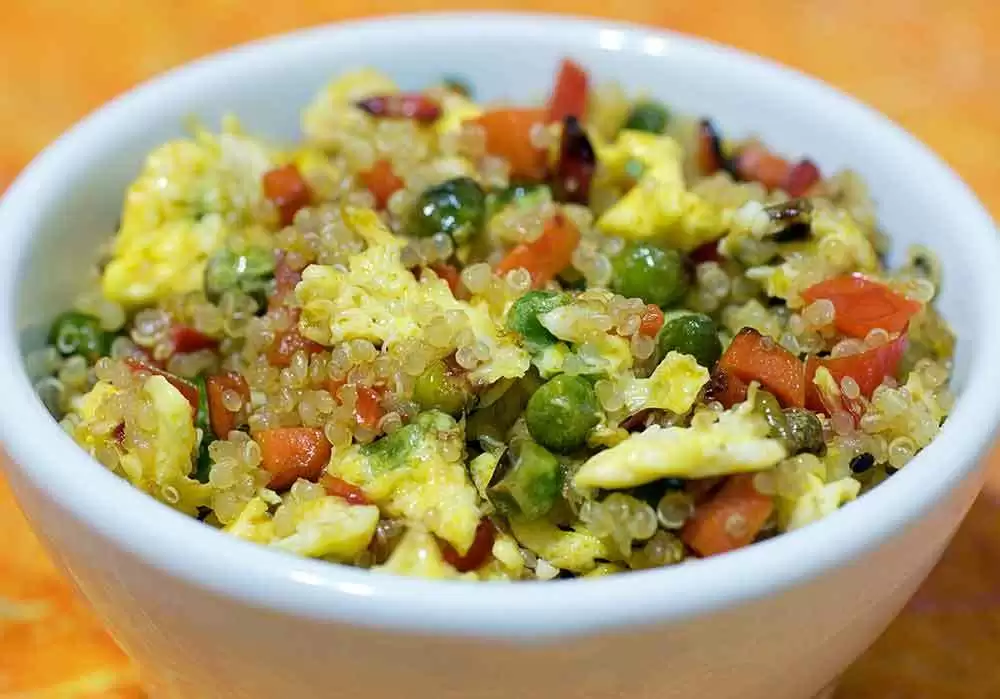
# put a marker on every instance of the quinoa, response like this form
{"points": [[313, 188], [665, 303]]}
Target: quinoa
{"points": [[391, 346]]}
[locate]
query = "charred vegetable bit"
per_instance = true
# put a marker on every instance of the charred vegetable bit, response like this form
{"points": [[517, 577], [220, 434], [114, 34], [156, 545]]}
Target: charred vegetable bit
{"points": [[710, 156], [577, 162], [417, 107]]}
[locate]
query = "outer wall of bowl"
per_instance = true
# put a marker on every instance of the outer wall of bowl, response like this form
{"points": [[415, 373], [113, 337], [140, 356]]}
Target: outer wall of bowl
{"points": [[206, 616]]}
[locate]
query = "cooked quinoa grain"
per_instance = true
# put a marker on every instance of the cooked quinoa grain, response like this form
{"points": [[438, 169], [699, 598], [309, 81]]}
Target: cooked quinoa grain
{"points": [[455, 340]]}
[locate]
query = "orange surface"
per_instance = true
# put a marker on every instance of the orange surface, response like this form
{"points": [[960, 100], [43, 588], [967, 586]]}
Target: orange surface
{"points": [[932, 65]]}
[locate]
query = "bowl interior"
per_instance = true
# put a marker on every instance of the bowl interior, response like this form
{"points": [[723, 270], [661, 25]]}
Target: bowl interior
{"points": [[68, 203]]}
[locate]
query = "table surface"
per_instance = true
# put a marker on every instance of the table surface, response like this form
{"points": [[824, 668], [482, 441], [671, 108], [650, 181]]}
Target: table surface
{"points": [[932, 65]]}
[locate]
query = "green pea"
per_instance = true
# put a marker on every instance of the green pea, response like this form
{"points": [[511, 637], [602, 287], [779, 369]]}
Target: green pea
{"points": [[656, 275], [438, 388], [73, 332], [648, 115], [531, 485], [562, 412], [249, 272], [804, 432], [456, 207], [522, 317], [693, 334]]}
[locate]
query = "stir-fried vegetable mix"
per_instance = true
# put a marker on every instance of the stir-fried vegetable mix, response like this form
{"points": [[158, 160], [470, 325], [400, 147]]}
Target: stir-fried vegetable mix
{"points": [[498, 342]]}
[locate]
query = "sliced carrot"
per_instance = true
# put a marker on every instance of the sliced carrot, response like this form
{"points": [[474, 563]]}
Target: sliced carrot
{"points": [[508, 135], [382, 182], [651, 320], [286, 344], [867, 368], [726, 388], [546, 256], [290, 453], [482, 547], [368, 407], [342, 489], [186, 339], [757, 164], [754, 357], [569, 97], [223, 420], [287, 190], [862, 305], [187, 389], [731, 519]]}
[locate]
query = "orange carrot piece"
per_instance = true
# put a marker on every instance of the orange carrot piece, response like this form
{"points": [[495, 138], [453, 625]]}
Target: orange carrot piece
{"points": [[508, 135], [222, 420], [382, 182], [756, 163], [368, 407], [546, 256], [731, 519], [569, 97], [753, 357], [449, 273], [651, 320], [287, 190], [340, 488], [187, 339], [290, 453], [286, 344], [862, 305]]}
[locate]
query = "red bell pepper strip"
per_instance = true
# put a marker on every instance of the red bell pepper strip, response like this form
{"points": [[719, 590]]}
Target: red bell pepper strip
{"points": [[753, 357], [569, 97]]}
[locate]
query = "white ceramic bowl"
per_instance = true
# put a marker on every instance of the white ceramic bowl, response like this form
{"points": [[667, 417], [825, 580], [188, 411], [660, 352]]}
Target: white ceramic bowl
{"points": [[207, 615]]}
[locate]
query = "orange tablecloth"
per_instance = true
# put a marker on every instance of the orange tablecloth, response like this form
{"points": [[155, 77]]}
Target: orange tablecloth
{"points": [[932, 65]]}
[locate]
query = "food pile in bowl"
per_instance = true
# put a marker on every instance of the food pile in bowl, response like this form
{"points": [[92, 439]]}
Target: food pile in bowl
{"points": [[498, 342]]}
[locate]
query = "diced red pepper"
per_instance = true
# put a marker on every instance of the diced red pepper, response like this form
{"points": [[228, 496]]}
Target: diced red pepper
{"points": [[287, 190], [709, 156], [868, 369], [576, 166], [368, 407], [546, 256], [417, 107], [478, 553], [708, 252], [801, 178], [450, 275], [286, 344], [187, 389], [340, 488], [726, 388], [651, 320], [382, 182], [862, 305], [187, 339], [223, 420], [753, 357], [569, 97]]}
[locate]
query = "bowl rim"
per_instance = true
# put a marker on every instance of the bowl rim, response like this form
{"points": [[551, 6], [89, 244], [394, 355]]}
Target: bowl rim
{"points": [[187, 551]]}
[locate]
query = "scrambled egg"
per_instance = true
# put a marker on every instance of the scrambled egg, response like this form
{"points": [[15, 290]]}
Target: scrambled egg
{"points": [[837, 246], [593, 353], [818, 500], [737, 442], [333, 114], [378, 299], [570, 550], [659, 205], [455, 110], [188, 197], [674, 385], [413, 473], [162, 471]]}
